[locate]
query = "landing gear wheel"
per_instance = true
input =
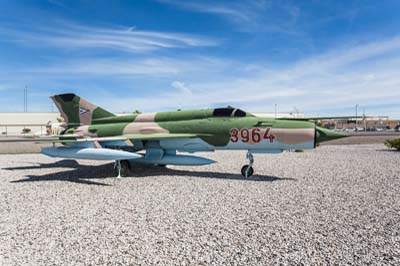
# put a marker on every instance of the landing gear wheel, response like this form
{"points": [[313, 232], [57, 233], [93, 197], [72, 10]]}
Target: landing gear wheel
{"points": [[122, 168], [247, 171]]}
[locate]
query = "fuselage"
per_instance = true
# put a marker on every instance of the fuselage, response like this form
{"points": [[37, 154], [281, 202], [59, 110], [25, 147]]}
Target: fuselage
{"points": [[154, 138], [223, 128]]}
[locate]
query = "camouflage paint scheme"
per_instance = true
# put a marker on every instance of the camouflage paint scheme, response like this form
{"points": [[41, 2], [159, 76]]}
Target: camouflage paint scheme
{"points": [[187, 130]]}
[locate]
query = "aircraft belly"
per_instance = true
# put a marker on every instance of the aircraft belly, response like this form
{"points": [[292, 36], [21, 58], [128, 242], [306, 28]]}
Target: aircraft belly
{"points": [[174, 160], [266, 145]]}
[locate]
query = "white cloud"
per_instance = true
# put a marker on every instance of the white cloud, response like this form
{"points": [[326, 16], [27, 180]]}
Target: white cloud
{"points": [[181, 86], [69, 35], [365, 74], [110, 67], [247, 15], [231, 9], [115, 67], [337, 80]]}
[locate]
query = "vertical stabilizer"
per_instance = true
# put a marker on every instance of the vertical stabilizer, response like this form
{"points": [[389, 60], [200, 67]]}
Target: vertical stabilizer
{"points": [[77, 111]]}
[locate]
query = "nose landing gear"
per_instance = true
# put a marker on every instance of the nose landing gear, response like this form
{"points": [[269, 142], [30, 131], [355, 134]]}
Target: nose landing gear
{"points": [[247, 170]]}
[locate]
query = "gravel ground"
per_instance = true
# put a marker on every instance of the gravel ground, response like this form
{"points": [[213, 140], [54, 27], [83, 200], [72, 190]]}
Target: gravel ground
{"points": [[337, 205]]}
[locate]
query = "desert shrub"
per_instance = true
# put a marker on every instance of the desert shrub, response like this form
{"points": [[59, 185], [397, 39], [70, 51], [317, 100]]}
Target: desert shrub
{"points": [[393, 144]]}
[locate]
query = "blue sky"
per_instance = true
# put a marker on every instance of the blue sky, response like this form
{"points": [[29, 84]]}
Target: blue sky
{"points": [[319, 57]]}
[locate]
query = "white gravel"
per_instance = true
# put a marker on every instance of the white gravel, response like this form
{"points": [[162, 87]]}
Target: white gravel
{"points": [[337, 205]]}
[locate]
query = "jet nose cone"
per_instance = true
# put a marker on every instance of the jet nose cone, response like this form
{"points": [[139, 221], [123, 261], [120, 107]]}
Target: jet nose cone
{"points": [[324, 134]]}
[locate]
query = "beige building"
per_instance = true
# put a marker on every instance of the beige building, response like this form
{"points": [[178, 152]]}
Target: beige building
{"points": [[12, 124]]}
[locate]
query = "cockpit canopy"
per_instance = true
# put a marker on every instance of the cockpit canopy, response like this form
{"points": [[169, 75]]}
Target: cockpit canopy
{"points": [[228, 112]]}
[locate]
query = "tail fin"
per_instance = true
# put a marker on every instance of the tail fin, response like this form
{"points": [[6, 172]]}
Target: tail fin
{"points": [[77, 111]]}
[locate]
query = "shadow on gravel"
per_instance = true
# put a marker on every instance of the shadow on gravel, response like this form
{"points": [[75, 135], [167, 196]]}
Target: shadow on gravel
{"points": [[59, 164], [80, 174], [83, 173], [144, 171]]}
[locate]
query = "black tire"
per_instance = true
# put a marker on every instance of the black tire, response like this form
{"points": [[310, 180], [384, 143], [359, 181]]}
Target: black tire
{"points": [[125, 168], [244, 169]]}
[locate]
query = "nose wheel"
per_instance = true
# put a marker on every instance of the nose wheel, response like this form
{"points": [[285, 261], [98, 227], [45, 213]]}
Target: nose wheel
{"points": [[248, 170]]}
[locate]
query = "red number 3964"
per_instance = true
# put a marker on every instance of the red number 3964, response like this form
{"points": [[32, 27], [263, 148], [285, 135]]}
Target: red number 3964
{"points": [[251, 135]]}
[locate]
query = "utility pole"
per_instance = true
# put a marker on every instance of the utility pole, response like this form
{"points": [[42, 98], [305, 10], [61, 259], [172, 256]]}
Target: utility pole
{"points": [[365, 121], [26, 99], [275, 111], [356, 116]]}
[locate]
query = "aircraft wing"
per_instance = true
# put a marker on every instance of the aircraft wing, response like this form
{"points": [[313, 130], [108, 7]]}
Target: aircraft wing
{"points": [[99, 150], [158, 136], [76, 138]]}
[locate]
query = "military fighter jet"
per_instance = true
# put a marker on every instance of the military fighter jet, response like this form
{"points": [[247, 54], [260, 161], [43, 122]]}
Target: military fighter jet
{"points": [[155, 138]]}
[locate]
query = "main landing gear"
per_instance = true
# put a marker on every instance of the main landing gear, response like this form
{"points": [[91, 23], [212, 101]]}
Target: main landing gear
{"points": [[122, 168], [247, 170]]}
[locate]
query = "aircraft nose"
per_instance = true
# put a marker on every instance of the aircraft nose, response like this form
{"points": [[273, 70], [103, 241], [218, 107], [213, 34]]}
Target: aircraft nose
{"points": [[324, 134]]}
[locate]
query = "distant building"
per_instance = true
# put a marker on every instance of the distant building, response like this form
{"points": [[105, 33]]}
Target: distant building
{"points": [[20, 123], [361, 123]]}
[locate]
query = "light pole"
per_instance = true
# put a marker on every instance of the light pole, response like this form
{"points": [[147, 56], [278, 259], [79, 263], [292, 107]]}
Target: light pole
{"points": [[356, 116], [365, 121]]}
